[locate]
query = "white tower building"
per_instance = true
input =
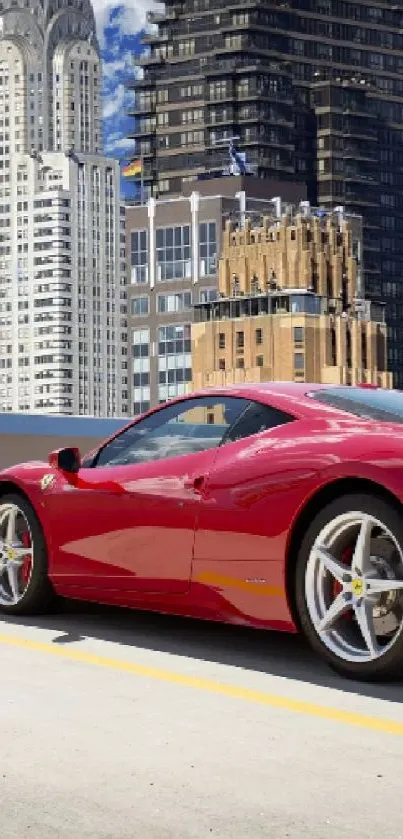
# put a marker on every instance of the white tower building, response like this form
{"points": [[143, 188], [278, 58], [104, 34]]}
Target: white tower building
{"points": [[62, 286]]}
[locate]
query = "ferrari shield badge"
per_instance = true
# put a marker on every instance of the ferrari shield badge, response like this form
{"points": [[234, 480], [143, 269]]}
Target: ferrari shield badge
{"points": [[47, 481]]}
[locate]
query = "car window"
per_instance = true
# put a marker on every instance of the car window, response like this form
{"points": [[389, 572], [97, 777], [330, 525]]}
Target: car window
{"points": [[372, 403], [182, 428], [254, 419]]}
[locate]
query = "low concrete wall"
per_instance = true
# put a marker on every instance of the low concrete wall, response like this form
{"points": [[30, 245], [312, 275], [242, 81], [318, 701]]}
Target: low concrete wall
{"points": [[18, 448]]}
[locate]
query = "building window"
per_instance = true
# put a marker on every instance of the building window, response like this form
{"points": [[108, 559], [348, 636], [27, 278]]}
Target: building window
{"points": [[192, 138], [208, 295], [349, 357], [364, 354], [259, 361], [240, 363], [139, 256], [240, 340], [298, 334], [141, 379], [207, 248], [174, 360], [141, 365], [173, 253], [333, 347], [174, 303], [259, 336], [163, 185], [193, 116], [141, 343], [221, 341], [218, 90], [142, 405], [186, 47], [299, 361], [240, 19], [140, 306], [221, 363]]}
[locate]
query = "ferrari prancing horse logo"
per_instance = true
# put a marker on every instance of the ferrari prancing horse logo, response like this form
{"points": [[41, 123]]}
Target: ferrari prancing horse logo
{"points": [[357, 587], [47, 481]]}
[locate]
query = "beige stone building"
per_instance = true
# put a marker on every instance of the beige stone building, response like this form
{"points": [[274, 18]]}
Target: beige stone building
{"points": [[291, 305]]}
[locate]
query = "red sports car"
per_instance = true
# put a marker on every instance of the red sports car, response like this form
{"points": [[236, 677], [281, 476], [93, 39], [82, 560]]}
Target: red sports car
{"points": [[270, 505]]}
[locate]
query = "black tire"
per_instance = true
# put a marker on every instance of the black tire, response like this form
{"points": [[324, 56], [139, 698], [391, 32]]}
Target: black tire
{"points": [[390, 666], [39, 593]]}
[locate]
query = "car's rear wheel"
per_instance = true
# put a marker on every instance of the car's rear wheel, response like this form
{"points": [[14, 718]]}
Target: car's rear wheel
{"points": [[349, 587], [24, 582]]}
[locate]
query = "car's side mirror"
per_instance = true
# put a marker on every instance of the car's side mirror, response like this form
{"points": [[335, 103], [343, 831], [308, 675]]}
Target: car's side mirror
{"points": [[67, 460]]}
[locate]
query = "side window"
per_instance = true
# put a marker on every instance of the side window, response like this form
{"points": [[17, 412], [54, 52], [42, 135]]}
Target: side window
{"points": [[186, 427], [255, 419]]}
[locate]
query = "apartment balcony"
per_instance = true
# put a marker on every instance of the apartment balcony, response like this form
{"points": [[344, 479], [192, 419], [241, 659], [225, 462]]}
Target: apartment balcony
{"points": [[360, 177], [157, 37], [146, 83], [141, 108], [169, 13], [356, 151], [360, 131], [156, 17], [142, 131], [148, 59]]}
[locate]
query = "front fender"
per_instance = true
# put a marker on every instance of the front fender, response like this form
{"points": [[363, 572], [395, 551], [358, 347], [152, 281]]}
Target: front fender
{"points": [[28, 483]]}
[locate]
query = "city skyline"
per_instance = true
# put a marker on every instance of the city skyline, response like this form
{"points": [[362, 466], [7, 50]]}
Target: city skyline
{"points": [[313, 93]]}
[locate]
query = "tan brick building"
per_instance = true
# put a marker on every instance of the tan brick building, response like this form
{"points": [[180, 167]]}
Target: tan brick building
{"points": [[291, 306]]}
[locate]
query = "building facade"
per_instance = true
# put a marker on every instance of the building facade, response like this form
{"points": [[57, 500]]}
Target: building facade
{"points": [[62, 272], [313, 90], [172, 255], [291, 306]]}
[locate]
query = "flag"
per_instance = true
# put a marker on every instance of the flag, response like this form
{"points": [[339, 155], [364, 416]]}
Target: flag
{"points": [[133, 168], [238, 160]]}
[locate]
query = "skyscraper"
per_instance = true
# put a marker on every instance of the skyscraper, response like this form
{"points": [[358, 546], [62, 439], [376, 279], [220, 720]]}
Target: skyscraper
{"points": [[312, 89], [62, 294]]}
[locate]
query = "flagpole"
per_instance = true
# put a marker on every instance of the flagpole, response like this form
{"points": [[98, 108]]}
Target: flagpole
{"points": [[141, 181]]}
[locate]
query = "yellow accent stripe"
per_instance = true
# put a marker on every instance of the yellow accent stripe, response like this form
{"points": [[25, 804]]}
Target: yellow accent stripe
{"points": [[212, 579], [284, 703]]}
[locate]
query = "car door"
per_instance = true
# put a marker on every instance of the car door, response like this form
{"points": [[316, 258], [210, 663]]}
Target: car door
{"points": [[240, 525], [127, 520]]}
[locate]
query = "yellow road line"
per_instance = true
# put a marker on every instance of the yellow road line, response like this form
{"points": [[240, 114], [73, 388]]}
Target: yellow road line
{"points": [[284, 703]]}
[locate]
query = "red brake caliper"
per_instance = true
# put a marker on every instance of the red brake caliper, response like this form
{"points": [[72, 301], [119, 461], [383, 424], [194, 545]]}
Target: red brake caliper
{"points": [[27, 560], [345, 558]]}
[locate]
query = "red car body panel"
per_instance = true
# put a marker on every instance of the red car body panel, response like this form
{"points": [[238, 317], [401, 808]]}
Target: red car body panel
{"points": [[152, 536]]}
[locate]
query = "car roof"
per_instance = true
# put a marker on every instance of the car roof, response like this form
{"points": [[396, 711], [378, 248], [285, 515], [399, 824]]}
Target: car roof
{"points": [[287, 396]]}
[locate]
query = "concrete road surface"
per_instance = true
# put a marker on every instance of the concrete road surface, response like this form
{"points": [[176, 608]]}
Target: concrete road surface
{"points": [[122, 725]]}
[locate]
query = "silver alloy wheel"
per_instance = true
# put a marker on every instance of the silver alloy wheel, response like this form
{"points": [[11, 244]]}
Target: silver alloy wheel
{"points": [[354, 587], [16, 560]]}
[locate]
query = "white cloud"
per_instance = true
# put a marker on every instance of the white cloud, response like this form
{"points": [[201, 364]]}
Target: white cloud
{"points": [[128, 17], [115, 144], [115, 104], [118, 24], [116, 67]]}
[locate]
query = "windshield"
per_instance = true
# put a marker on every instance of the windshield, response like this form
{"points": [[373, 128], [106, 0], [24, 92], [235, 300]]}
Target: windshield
{"points": [[377, 404]]}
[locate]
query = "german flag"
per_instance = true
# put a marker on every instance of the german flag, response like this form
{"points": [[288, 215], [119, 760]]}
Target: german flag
{"points": [[132, 169]]}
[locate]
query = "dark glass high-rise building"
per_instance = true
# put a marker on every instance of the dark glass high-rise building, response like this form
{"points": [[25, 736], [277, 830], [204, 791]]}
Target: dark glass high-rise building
{"points": [[313, 89]]}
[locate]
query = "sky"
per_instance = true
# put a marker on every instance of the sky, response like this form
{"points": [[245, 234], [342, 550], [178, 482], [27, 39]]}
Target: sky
{"points": [[119, 27]]}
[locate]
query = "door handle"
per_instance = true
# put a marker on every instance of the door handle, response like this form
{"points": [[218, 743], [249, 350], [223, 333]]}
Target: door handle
{"points": [[196, 484]]}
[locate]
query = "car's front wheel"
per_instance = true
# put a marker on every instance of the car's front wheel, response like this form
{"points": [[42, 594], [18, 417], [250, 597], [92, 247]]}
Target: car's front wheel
{"points": [[349, 587], [24, 583]]}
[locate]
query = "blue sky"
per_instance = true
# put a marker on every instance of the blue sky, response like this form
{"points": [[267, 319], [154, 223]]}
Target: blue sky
{"points": [[119, 27]]}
